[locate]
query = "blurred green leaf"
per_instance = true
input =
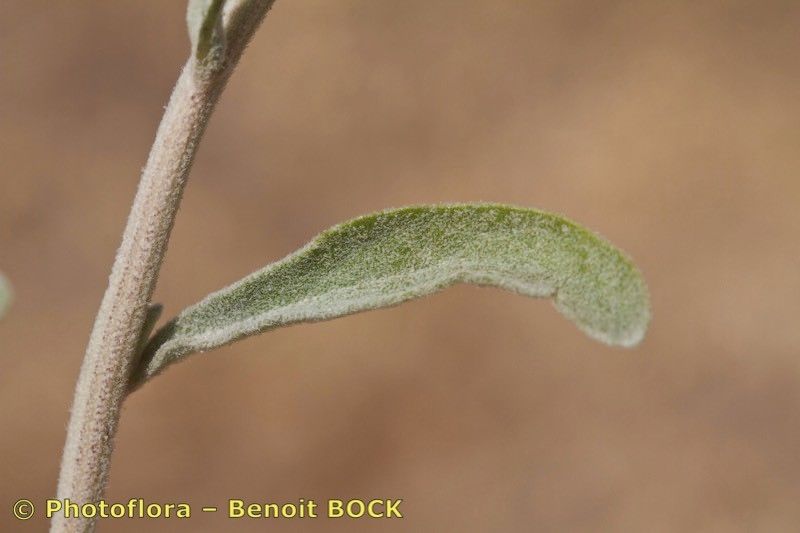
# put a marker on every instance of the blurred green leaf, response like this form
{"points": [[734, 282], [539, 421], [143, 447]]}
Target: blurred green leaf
{"points": [[387, 258], [204, 19], [5, 295]]}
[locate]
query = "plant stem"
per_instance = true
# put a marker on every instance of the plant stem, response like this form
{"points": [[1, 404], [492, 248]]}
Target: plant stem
{"points": [[103, 380]]}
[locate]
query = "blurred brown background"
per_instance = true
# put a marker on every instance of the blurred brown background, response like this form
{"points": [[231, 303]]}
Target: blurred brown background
{"points": [[669, 127]]}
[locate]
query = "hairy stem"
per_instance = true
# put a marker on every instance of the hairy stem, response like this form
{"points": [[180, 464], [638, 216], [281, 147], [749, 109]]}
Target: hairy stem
{"points": [[103, 380]]}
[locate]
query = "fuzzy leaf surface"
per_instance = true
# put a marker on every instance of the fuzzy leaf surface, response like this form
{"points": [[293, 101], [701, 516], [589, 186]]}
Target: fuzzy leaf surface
{"points": [[390, 257]]}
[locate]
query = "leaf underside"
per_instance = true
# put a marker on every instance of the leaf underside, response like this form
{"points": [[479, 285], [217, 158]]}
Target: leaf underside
{"points": [[386, 258]]}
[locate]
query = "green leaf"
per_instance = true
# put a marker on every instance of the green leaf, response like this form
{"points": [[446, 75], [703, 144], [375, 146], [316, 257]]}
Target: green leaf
{"points": [[204, 19], [387, 258], [5, 295]]}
